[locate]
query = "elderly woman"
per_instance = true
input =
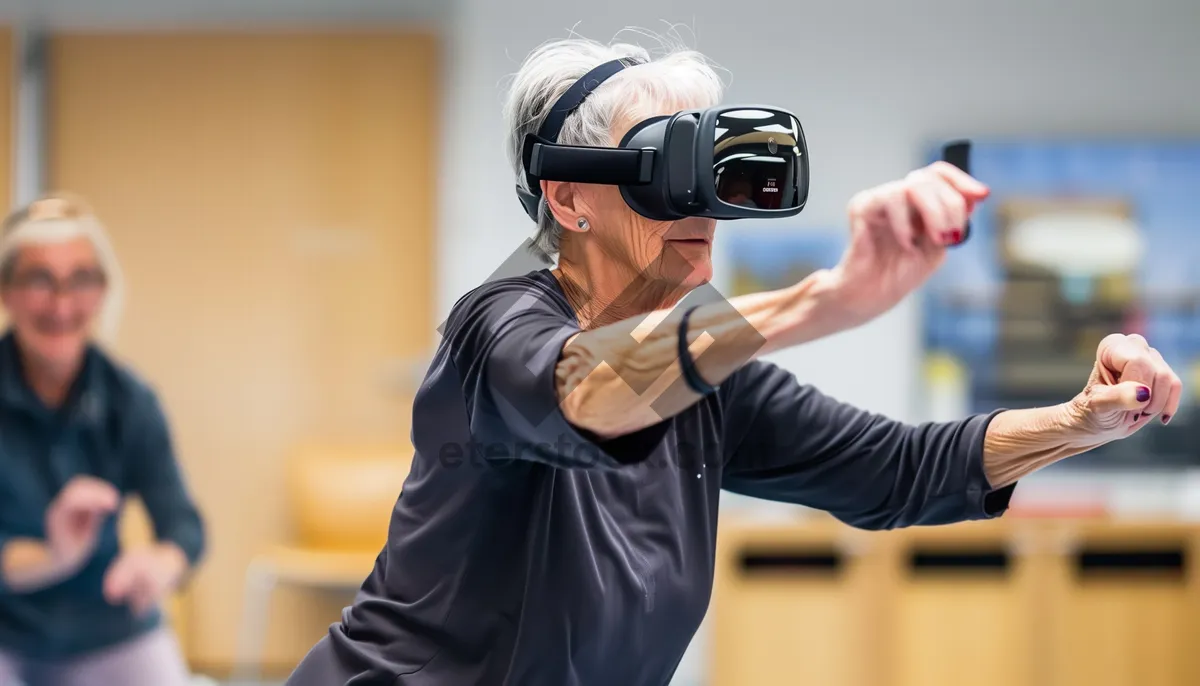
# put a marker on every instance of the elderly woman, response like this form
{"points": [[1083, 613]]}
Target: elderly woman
{"points": [[79, 432], [577, 425]]}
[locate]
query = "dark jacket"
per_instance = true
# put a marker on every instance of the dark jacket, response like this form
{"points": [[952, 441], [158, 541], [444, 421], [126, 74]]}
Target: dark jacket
{"points": [[110, 427]]}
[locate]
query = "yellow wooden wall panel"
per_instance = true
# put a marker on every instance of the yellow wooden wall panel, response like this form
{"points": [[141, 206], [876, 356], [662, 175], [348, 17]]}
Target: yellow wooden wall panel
{"points": [[271, 198], [9, 64]]}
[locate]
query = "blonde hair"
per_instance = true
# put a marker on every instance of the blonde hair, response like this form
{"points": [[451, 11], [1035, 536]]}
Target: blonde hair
{"points": [[59, 218]]}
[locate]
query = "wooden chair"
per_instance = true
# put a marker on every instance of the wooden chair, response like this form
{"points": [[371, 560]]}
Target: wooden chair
{"points": [[340, 503]]}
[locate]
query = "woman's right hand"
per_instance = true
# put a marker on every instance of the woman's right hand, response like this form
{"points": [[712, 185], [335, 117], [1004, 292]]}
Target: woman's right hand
{"points": [[74, 518], [899, 233]]}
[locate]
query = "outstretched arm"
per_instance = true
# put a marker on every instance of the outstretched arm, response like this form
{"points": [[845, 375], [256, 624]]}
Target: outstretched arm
{"points": [[624, 377], [1129, 387], [547, 382], [788, 442]]}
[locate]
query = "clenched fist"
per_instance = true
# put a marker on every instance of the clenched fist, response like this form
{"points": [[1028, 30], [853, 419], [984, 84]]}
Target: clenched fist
{"points": [[1130, 386]]}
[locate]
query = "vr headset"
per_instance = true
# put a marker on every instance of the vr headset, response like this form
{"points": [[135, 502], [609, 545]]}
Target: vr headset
{"points": [[728, 162]]}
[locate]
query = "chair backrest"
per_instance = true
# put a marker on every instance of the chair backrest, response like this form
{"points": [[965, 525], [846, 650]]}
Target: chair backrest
{"points": [[341, 497]]}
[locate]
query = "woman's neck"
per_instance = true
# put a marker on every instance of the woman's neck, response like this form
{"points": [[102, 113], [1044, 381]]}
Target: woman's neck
{"points": [[50, 383], [607, 293]]}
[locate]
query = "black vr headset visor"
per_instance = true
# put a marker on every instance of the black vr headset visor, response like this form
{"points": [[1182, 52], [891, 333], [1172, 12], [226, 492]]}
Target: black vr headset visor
{"points": [[728, 162]]}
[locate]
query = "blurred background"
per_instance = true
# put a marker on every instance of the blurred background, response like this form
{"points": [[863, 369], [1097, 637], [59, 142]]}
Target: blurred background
{"points": [[300, 189]]}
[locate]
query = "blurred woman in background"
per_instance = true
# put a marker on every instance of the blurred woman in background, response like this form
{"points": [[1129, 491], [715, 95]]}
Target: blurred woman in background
{"points": [[78, 433]]}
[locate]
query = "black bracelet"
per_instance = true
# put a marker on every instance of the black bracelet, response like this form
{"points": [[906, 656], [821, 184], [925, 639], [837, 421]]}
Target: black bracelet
{"points": [[690, 374]]}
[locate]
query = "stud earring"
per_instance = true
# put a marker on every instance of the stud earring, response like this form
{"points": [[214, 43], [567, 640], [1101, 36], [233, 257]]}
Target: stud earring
{"points": [[582, 224]]}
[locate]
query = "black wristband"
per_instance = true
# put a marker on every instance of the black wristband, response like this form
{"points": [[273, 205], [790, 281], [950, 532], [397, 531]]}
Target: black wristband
{"points": [[690, 374]]}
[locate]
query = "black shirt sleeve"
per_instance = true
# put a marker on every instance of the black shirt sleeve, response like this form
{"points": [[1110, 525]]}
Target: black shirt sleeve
{"points": [[156, 477], [505, 341], [788, 442]]}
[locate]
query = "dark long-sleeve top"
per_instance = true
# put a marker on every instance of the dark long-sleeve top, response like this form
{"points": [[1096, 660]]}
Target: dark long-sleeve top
{"points": [[111, 427], [525, 551]]}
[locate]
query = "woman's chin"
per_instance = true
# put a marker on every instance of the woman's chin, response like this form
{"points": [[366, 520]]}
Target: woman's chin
{"points": [[701, 274], [689, 271], [57, 349]]}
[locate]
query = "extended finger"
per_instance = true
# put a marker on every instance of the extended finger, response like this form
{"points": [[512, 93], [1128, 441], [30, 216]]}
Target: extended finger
{"points": [[92, 495], [895, 207], [924, 199], [963, 182], [956, 213], [91, 484]]}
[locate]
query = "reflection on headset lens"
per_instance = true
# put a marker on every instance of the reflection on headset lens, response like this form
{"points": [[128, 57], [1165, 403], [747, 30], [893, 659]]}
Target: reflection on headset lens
{"points": [[757, 159]]}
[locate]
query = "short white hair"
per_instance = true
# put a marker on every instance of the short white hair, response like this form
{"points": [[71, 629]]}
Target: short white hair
{"points": [[60, 218], [678, 78]]}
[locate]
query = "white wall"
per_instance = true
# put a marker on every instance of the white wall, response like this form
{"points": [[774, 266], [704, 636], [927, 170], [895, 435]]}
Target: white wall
{"points": [[873, 83]]}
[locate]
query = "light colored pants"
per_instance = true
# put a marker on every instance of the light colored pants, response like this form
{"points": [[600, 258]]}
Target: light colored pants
{"points": [[149, 660]]}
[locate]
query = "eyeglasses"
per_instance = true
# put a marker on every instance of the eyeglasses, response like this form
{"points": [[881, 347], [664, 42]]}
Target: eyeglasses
{"points": [[43, 284]]}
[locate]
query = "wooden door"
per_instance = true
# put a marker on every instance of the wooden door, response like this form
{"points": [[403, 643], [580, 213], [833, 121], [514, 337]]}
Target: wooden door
{"points": [[9, 64], [271, 199]]}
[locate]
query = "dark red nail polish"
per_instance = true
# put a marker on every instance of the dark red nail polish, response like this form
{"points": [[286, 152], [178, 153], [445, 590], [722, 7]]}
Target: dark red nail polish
{"points": [[1143, 394], [1166, 419], [955, 237]]}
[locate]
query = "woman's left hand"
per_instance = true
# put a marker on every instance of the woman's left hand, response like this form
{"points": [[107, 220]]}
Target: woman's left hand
{"points": [[142, 577], [1130, 386]]}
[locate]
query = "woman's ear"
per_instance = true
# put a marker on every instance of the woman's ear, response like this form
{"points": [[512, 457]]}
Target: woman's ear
{"points": [[565, 203]]}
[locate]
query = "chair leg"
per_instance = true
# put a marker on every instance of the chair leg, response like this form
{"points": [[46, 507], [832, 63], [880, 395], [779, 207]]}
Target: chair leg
{"points": [[260, 583]]}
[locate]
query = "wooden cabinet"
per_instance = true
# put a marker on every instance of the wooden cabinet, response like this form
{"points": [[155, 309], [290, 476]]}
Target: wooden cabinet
{"points": [[794, 605], [1124, 607], [958, 606], [1031, 602]]}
